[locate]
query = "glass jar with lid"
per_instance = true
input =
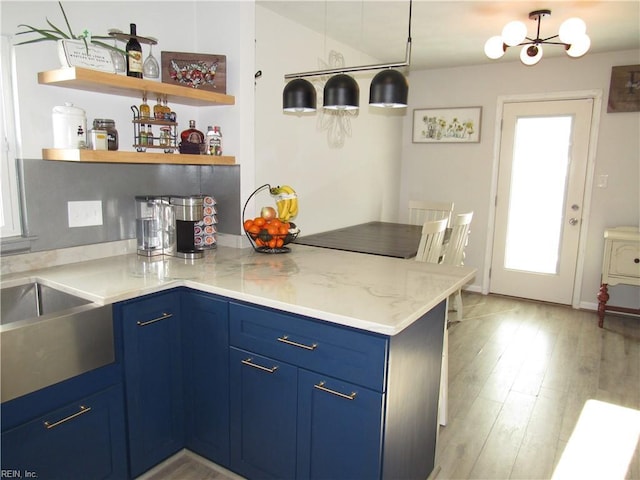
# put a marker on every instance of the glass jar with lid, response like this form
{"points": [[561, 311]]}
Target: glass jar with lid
{"points": [[112, 134]]}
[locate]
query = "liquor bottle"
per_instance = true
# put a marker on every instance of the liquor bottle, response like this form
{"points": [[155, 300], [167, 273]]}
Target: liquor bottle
{"points": [[134, 54], [192, 134], [166, 111], [158, 111], [192, 140], [145, 110], [150, 137], [214, 141], [217, 141]]}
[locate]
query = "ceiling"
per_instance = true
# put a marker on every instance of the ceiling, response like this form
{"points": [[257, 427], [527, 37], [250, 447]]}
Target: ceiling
{"points": [[453, 33]]}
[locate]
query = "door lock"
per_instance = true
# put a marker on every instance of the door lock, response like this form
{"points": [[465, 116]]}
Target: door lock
{"points": [[573, 221], [575, 207]]}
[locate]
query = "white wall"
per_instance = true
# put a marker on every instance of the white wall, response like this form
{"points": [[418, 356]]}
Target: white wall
{"points": [[336, 186], [463, 172], [222, 27]]}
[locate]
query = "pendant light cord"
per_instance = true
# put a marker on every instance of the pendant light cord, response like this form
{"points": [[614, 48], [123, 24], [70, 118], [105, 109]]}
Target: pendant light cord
{"points": [[331, 71]]}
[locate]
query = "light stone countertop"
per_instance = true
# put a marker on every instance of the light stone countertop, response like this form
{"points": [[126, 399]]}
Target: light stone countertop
{"points": [[373, 293]]}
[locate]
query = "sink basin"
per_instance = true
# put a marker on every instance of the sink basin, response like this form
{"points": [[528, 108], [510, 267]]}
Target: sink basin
{"points": [[47, 336], [33, 300]]}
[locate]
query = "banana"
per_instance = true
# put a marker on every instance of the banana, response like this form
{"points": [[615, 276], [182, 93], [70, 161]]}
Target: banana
{"points": [[287, 201], [284, 206]]}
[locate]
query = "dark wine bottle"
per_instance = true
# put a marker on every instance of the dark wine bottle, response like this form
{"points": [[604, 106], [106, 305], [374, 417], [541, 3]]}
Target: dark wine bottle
{"points": [[134, 54]]}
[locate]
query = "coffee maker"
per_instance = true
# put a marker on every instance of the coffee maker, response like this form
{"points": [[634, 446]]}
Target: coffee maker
{"points": [[187, 212]]}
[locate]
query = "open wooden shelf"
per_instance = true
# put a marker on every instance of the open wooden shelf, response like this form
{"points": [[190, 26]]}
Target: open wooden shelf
{"points": [[109, 156], [110, 83]]}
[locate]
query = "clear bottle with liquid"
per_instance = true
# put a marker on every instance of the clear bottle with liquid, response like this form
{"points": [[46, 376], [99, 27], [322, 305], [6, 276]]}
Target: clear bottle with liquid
{"points": [[145, 110], [143, 135], [158, 110]]}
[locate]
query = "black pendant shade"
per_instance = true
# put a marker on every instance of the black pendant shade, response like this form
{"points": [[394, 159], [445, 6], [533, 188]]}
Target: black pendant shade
{"points": [[341, 92], [299, 96], [390, 89]]}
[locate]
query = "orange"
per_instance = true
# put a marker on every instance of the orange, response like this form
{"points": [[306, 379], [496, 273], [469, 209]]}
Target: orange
{"points": [[247, 224], [259, 221], [283, 230], [272, 229], [279, 242], [272, 243], [254, 229]]}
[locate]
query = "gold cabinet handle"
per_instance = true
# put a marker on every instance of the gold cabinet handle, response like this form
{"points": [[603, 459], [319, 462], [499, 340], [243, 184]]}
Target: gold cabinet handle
{"points": [[259, 367], [320, 386], [285, 339], [82, 411], [164, 316]]}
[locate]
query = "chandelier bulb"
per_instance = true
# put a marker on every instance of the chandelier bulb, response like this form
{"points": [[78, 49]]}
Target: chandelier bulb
{"points": [[531, 54], [514, 33], [580, 46], [495, 47], [571, 30]]}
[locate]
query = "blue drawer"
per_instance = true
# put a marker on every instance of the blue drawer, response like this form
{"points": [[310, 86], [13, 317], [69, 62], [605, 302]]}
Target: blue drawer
{"points": [[355, 356]]}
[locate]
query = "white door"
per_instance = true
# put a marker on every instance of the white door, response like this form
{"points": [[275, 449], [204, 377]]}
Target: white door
{"points": [[541, 181]]}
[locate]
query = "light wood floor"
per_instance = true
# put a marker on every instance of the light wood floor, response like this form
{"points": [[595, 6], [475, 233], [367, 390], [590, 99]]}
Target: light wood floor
{"points": [[520, 373]]}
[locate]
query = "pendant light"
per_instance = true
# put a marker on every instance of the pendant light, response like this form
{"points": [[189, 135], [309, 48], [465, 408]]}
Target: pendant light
{"points": [[341, 92], [389, 88], [299, 96], [572, 36]]}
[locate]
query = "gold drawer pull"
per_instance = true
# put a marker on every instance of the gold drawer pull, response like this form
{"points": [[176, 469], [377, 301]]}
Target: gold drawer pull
{"points": [[285, 339], [259, 367], [82, 411], [320, 386], [154, 320]]}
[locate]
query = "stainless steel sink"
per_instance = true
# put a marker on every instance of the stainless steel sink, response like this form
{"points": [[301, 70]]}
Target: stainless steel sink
{"points": [[47, 336]]}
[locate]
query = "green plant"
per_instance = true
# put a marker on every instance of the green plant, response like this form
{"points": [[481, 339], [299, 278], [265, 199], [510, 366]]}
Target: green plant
{"points": [[54, 34]]}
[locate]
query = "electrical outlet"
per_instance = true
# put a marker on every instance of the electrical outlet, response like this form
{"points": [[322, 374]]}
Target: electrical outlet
{"points": [[85, 214]]}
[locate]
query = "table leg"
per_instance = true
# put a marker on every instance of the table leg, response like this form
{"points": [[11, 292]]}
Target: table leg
{"points": [[603, 298]]}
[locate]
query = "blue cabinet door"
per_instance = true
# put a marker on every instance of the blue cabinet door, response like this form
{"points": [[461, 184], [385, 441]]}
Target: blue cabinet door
{"points": [[83, 440], [263, 416], [339, 429], [205, 327], [153, 378]]}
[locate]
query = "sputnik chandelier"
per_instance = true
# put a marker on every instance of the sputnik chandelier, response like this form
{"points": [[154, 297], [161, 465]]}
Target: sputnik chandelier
{"points": [[571, 35]]}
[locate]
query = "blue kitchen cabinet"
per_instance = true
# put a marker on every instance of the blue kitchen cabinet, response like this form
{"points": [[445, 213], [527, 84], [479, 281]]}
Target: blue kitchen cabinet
{"points": [[339, 429], [84, 439], [314, 400], [263, 416], [152, 345], [205, 328]]}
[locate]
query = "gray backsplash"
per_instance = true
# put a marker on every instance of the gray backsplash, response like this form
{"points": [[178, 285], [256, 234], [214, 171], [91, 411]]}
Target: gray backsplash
{"points": [[49, 185]]}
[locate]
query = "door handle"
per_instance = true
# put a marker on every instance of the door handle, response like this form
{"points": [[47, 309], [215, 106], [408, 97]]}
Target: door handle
{"points": [[573, 221]]}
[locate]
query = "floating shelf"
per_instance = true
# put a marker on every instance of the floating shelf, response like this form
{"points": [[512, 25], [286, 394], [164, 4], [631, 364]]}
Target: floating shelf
{"points": [[111, 83], [109, 156]]}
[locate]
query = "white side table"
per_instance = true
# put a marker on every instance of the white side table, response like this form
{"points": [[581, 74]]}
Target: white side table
{"points": [[620, 265]]}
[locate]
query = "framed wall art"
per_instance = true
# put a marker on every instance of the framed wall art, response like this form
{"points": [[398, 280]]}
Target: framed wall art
{"points": [[195, 70], [624, 90], [447, 125]]}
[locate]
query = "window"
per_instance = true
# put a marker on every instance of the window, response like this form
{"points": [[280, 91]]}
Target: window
{"points": [[10, 211]]}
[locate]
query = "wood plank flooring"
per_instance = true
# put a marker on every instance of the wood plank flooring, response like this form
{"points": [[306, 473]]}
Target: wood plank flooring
{"points": [[520, 373]]}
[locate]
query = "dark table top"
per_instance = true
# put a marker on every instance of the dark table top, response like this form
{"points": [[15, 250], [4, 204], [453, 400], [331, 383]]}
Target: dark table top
{"points": [[377, 238]]}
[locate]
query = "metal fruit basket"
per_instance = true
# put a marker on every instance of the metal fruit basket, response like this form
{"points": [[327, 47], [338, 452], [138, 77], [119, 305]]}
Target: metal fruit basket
{"points": [[264, 241]]}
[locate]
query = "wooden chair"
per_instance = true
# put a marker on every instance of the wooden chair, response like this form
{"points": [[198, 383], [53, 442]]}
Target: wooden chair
{"points": [[423, 211], [430, 247], [454, 250]]}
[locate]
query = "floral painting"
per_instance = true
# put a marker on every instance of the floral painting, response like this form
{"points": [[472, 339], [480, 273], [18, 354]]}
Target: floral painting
{"points": [[195, 70], [447, 125]]}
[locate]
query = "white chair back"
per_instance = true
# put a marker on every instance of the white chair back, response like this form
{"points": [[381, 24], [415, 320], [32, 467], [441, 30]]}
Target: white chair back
{"points": [[423, 211], [430, 248], [454, 248]]}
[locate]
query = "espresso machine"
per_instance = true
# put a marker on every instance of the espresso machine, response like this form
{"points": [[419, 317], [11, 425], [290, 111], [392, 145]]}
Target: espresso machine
{"points": [[187, 212]]}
